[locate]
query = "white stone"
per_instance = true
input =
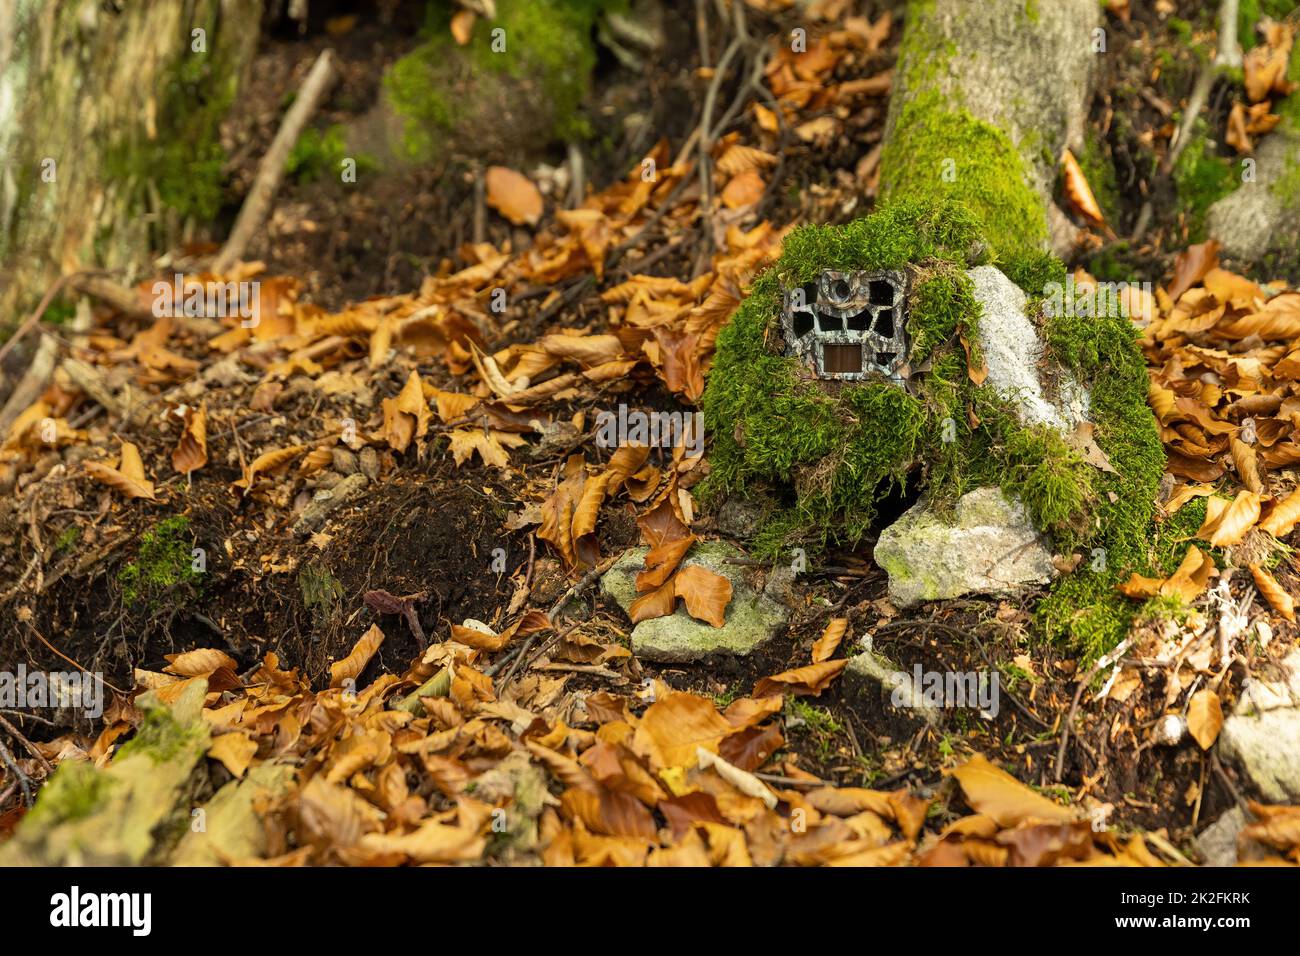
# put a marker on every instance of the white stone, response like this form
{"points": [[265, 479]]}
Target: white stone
{"points": [[987, 545], [1262, 735], [1014, 353]]}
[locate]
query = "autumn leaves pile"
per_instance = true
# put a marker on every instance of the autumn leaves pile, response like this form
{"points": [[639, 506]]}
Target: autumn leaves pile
{"points": [[1225, 388]]}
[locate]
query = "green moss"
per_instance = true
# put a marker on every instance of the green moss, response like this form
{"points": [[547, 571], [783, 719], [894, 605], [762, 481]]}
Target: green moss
{"points": [[1250, 12], [73, 793], [185, 161], [547, 46], [1202, 178], [161, 736], [321, 153], [67, 538], [163, 566], [941, 154], [839, 451]]}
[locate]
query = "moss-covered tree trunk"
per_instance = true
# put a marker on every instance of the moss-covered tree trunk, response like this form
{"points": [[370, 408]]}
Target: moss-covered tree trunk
{"points": [[109, 130], [987, 94]]}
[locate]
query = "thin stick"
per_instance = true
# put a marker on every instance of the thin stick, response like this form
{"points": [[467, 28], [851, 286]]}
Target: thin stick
{"points": [[21, 777], [271, 170]]}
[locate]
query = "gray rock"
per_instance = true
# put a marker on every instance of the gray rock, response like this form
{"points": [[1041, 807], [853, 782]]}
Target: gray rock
{"points": [[1218, 841], [739, 517], [1262, 735], [1258, 219], [1014, 353], [752, 619], [988, 545]]}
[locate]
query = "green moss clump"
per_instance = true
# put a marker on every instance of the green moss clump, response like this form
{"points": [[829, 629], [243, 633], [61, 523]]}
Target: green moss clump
{"points": [[968, 161], [321, 153], [163, 566], [480, 95], [1202, 178], [74, 792], [841, 448], [161, 736], [1084, 606], [1250, 12]]}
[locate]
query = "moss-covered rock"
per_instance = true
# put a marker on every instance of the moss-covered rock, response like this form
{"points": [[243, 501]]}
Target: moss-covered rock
{"points": [[516, 85], [836, 450]]}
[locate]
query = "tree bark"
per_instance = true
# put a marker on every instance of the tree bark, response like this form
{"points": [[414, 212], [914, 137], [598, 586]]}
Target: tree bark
{"points": [[100, 114], [974, 77]]}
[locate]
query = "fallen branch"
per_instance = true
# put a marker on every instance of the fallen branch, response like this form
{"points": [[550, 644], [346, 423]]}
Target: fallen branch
{"points": [[258, 202]]}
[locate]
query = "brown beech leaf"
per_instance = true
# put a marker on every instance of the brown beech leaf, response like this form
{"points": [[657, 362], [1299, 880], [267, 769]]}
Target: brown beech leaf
{"points": [[826, 645], [350, 667], [706, 594], [462, 26], [191, 452], [127, 478], [1243, 456], [1237, 137], [1191, 266], [744, 189], [812, 679], [1078, 191], [747, 711], [235, 751], [199, 662], [995, 793], [657, 603], [1228, 523], [1275, 594], [661, 562], [268, 462], [513, 195], [671, 730], [1283, 517], [1205, 717]]}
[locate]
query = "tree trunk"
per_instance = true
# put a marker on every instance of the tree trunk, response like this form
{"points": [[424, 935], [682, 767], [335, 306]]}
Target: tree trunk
{"points": [[109, 131], [986, 96]]}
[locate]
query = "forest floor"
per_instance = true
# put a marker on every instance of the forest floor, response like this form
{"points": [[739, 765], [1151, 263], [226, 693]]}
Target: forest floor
{"points": [[431, 646]]}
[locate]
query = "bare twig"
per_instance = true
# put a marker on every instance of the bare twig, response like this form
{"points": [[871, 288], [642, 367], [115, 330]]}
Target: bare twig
{"points": [[271, 170], [22, 778]]}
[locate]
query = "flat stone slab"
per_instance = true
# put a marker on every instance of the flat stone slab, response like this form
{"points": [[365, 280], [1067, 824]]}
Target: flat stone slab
{"points": [[988, 545], [752, 618]]}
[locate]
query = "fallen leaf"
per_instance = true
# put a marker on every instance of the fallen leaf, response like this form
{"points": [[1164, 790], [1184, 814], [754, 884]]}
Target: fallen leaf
{"points": [[705, 593], [350, 667], [513, 195], [191, 452], [995, 793], [127, 478], [1078, 191], [1205, 717], [1275, 594], [827, 644], [812, 679]]}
